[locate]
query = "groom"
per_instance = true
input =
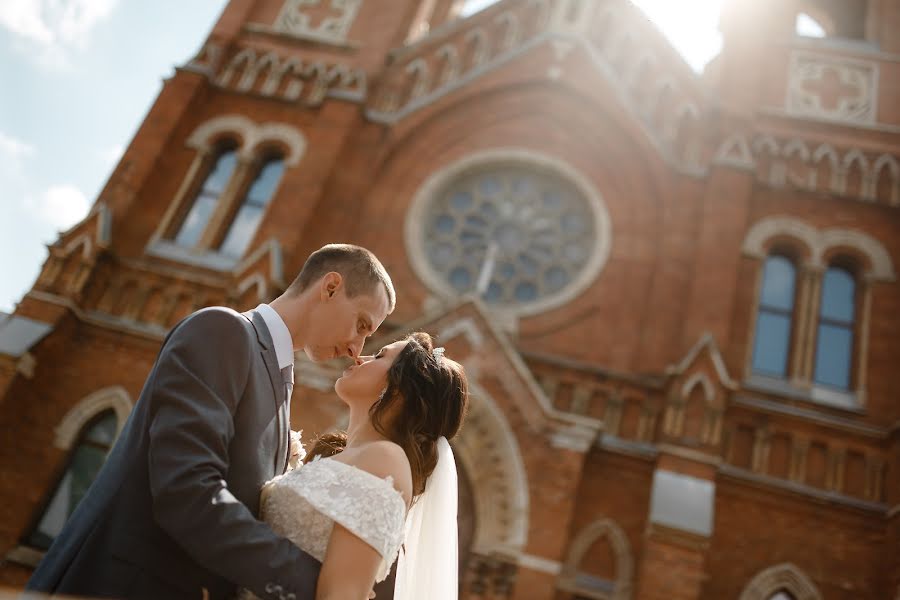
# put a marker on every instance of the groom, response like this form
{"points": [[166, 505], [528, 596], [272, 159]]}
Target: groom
{"points": [[173, 513]]}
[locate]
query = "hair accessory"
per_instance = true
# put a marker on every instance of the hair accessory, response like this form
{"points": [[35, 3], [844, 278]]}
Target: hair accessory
{"points": [[438, 354]]}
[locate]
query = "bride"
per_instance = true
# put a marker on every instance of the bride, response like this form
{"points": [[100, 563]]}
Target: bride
{"points": [[387, 486]]}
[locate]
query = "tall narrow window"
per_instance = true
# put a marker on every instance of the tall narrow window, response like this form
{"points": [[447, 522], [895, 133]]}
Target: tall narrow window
{"points": [[84, 463], [205, 203], [834, 339], [773, 322], [250, 213]]}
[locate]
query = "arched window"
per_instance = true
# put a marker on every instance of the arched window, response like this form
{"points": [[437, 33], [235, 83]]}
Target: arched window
{"points": [[470, 7], [834, 336], [85, 460], [251, 210], [197, 218], [807, 26], [775, 316], [832, 19], [782, 595]]}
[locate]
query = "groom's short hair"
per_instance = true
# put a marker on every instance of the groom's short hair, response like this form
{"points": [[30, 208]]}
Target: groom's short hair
{"points": [[360, 268]]}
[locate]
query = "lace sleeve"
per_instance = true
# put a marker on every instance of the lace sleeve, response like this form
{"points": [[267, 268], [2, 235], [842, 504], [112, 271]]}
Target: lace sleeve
{"points": [[366, 505]]}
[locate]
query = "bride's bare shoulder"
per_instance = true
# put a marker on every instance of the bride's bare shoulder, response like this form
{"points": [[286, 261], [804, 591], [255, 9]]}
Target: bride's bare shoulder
{"points": [[386, 459]]}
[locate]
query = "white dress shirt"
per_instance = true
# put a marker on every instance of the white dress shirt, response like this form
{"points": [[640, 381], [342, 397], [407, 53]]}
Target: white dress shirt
{"points": [[281, 336]]}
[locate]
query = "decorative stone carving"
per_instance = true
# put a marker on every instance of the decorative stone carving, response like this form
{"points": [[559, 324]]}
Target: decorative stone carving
{"points": [[830, 88], [297, 18], [287, 78]]}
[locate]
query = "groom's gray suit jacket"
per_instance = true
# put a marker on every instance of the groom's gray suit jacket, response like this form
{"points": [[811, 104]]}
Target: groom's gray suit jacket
{"points": [[174, 509]]}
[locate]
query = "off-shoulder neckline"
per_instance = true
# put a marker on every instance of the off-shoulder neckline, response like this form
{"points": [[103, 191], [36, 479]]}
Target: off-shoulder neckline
{"points": [[388, 479]]}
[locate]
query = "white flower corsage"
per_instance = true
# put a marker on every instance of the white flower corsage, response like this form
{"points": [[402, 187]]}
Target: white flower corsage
{"points": [[298, 453]]}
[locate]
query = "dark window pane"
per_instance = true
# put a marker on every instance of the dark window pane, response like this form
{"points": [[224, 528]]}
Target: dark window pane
{"points": [[247, 219], [205, 202], [265, 183], [241, 231], [217, 180], [104, 431], [778, 284], [834, 346], [770, 351], [838, 290], [460, 279], [196, 221], [84, 465], [526, 291]]}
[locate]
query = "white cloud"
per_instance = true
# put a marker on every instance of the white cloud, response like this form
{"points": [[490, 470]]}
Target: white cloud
{"points": [[62, 206], [14, 149], [49, 29]]}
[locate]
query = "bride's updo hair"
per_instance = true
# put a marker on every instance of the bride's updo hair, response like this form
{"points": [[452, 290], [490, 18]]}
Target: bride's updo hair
{"points": [[425, 398]]}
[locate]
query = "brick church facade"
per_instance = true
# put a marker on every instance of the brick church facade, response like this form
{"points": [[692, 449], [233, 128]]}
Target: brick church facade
{"points": [[675, 294]]}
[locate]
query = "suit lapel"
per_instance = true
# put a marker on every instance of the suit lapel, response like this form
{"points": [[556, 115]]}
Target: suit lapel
{"points": [[278, 388]]}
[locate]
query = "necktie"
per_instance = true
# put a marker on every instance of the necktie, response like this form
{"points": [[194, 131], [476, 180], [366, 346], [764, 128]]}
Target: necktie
{"points": [[287, 375]]}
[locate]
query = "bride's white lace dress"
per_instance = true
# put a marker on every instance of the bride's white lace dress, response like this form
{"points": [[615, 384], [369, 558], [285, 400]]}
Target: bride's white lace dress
{"points": [[304, 504]]}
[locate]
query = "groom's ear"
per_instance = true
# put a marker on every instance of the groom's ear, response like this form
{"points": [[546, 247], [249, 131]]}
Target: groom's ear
{"points": [[331, 284]]}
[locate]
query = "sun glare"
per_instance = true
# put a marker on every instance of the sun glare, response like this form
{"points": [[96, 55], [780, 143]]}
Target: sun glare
{"points": [[692, 27]]}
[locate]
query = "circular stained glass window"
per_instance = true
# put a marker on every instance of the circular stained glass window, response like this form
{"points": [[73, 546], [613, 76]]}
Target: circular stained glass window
{"points": [[518, 236]]}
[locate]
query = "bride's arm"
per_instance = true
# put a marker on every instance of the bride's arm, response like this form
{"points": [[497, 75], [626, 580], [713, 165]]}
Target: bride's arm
{"points": [[350, 564]]}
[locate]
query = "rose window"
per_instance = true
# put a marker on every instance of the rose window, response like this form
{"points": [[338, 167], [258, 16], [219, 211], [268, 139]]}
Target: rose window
{"points": [[516, 236]]}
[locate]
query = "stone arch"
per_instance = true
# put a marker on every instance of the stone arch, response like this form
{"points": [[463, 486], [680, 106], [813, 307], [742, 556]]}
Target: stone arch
{"points": [[854, 169], [888, 163], [488, 451], [785, 576], [289, 136], [478, 41], [421, 78], [827, 152], [881, 266], [509, 23], [768, 228], [697, 416], [797, 157], [706, 386], [84, 242], [542, 10], [818, 242], [450, 57], [204, 136], [114, 397], [624, 562]]}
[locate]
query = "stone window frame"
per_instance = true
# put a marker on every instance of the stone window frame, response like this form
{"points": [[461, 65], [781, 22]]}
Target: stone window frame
{"points": [[814, 250], [624, 561], [256, 143], [503, 157], [115, 399], [782, 577]]}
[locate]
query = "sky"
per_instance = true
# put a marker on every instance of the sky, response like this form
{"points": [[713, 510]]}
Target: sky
{"points": [[78, 77]]}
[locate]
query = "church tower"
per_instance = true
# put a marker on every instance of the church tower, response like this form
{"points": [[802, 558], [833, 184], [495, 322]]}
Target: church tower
{"points": [[675, 294]]}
